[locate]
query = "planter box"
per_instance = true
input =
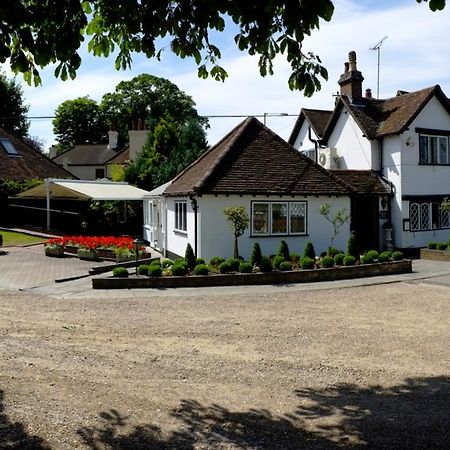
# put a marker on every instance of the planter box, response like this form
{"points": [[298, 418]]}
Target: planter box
{"points": [[57, 252], [87, 255], [436, 255], [301, 276]]}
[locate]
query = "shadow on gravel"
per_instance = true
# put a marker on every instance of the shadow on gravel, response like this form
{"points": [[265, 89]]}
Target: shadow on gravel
{"points": [[412, 415], [13, 435]]}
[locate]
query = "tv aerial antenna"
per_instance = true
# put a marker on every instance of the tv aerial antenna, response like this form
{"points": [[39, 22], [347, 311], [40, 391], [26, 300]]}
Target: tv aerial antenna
{"points": [[377, 47]]}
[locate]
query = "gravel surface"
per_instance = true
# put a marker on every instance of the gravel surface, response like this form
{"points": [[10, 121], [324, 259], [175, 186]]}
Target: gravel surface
{"points": [[360, 368]]}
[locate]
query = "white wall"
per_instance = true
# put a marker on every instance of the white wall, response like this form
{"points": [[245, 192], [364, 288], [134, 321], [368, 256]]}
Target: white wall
{"points": [[302, 141], [217, 237], [84, 172], [353, 149]]}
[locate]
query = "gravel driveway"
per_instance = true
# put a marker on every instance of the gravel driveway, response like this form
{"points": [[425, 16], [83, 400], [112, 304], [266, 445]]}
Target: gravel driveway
{"points": [[358, 367]]}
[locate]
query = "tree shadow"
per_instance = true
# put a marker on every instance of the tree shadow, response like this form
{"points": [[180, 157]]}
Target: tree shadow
{"points": [[413, 415], [13, 435]]}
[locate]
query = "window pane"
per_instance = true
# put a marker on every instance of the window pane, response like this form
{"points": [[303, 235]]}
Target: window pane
{"points": [[414, 216], [443, 150], [445, 219], [424, 216], [434, 149], [261, 218], [8, 146], [184, 217], [297, 217], [279, 218], [435, 215], [423, 149]]}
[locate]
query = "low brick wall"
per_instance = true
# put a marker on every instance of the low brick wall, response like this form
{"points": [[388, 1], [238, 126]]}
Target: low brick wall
{"points": [[436, 255], [301, 276]]}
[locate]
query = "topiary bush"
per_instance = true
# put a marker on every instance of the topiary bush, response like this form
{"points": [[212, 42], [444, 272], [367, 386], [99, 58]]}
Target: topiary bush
{"points": [[373, 254], [432, 245], [179, 269], [285, 266], [349, 260], [234, 263], [397, 256], [277, 261], [201, 269], [367, 259], [216, 261], [156, 262], [143, 269], [265, 265], [199, 261], [352, 246], [225, 267], [307, 263], [120, 272], [327, 262], [283, 250], [384, 257], [245, 267], [167, 263], [155, 270], [189, 257], [309, 251], [339, 259], [441, 246], [333, 251], [255, 258]]}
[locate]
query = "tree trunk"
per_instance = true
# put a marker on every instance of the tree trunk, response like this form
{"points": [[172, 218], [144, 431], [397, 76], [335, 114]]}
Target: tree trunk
{"points": [[236, 250]]}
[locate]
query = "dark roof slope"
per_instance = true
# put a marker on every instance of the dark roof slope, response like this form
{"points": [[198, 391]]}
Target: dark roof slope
{"points": [[317, 118], [28, 164], [379, 118], [87, 155], [364, 182], [251, 159]]}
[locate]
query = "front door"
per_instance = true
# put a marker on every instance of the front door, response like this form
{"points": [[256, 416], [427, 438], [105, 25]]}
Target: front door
{"points": [[365, 222]]}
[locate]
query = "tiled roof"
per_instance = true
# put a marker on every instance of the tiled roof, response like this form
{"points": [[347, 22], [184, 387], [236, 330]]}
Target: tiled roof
{"points": [[86, 155], [364, 182], [317, 118], [379, 118], [251, 159], [122, 157], [28, 164]]}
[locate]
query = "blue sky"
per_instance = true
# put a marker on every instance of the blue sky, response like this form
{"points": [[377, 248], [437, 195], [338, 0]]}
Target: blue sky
{"points": [[416, 54]]}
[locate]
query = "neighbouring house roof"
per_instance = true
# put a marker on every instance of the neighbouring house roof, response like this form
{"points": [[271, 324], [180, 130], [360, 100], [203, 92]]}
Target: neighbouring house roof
{"points": [[122, 157], [87, 155], [364, 182], [28, 163], [317, 119], [380, 118], [252, 159]]}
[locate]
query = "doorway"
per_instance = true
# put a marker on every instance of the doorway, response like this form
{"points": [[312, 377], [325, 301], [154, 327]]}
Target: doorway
{"points": [[365, 222]]}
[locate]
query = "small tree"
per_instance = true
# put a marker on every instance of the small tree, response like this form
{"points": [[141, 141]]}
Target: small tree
{"points": [[337, 220], [238, 219], [352, 246], [189, 257], [283, 250], [255, 259], [309, 251]]}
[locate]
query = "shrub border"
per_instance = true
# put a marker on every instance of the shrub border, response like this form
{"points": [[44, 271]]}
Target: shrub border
{"points": [[301, 276]]}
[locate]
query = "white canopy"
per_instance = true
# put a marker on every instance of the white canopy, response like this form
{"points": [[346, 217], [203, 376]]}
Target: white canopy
{"points": [[83, 190]]}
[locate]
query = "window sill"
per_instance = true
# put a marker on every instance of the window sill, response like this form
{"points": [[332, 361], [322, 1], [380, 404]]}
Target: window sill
{"points": [[434, 164], [278, 235], [180, 232]]}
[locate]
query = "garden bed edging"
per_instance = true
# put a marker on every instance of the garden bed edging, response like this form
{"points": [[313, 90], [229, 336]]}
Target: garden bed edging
{"points": [[436, 255]]}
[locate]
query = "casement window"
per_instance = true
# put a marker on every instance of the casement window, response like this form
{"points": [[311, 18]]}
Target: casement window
{"points": [[426, 216], [433, 149], [180, 216], [278, 218]]}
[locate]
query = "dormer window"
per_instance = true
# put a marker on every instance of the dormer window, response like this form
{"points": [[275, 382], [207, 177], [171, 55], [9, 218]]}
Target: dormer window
{"points": [[434, 147], [8, 147]]}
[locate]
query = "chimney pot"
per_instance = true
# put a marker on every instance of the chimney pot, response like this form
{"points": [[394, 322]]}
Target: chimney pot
{"points": [[368, 93], [346, 65], [352, 60]]}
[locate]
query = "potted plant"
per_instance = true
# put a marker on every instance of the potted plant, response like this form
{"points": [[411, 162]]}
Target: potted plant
{"points": [[124, 254], [54, 247]]}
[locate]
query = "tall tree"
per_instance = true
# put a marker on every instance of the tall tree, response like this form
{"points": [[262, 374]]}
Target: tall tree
{"points": [[79, 121], [41, 32], [13, 111]]}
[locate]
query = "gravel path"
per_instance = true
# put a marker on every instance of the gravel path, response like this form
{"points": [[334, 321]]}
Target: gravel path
{"points": [[360, 367]]}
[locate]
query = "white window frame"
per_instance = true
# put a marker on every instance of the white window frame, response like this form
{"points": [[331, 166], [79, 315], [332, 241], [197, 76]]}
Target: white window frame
{"points": [[433, 154], [289, 207], [181, 216], [423, 210]]}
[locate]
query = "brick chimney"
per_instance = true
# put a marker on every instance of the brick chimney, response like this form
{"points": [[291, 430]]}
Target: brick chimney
{"points": [[137, 137], [113, 136], [351, 80]]}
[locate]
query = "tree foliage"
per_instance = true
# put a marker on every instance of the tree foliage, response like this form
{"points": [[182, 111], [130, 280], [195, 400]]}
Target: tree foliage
{"points": [[13, 111], [77, 122], [36, 33], [238, 220], [337, 220]]}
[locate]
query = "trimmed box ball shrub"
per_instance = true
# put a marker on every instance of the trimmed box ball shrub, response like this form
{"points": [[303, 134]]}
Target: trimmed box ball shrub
{"points": [[327, 261], [156, 262], [432, 245], [339, 259], [442, 246], [285, 266], [397, 256], [384, 257], [216, 261], [143, 269], [167, 263], [373, 254], [234, 264], [367, 259], [155, 270], [199, 261], [277, 261], [245, 267], [225, 267], [201, 269], [307, 263], [255, 258], [265, 264], [179, 269], [120, 272], [309, 251], [189, 257], [349, 260], [283, 250]]}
